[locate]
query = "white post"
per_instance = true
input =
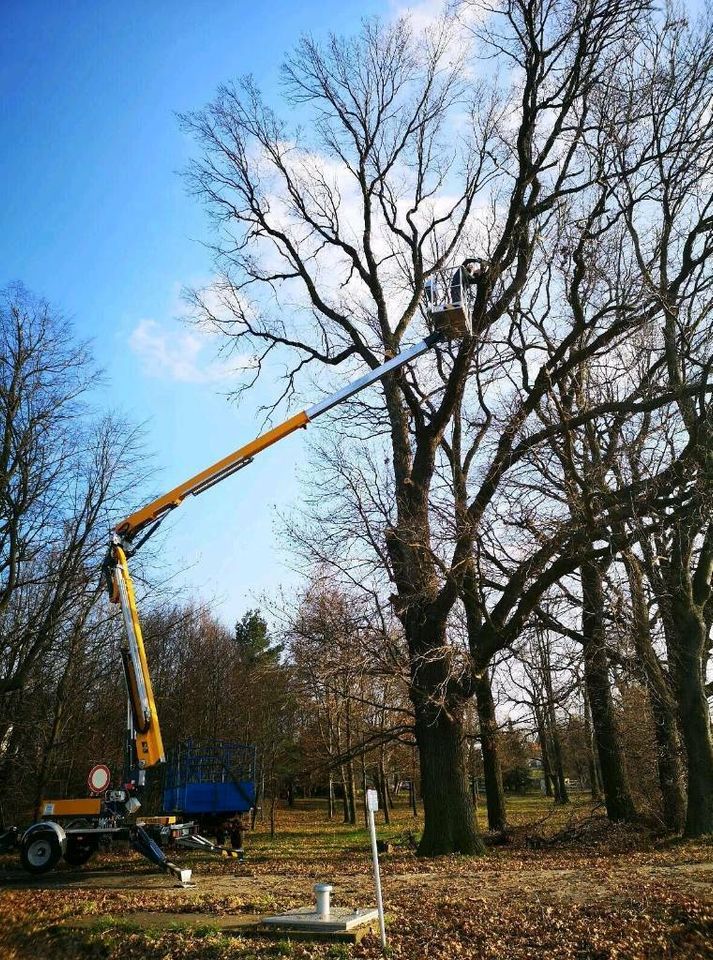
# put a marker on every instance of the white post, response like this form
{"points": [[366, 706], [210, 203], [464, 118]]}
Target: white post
{"points": [[372, 804]]}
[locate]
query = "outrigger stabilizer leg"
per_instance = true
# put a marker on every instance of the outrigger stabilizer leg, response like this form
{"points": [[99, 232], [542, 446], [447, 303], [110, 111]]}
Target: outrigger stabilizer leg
{"points": [[143, 844], [196, 842]]}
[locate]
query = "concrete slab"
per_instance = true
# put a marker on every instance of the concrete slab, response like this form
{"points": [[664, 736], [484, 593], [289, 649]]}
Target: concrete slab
{"points": [[340, 919], [245, 925]]}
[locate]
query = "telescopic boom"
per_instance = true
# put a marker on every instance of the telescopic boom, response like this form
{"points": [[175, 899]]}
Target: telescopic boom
{"points": [[137, 522]]}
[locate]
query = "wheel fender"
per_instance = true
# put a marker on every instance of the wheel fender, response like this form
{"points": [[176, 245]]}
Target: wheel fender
{"points": [[42, 827]]}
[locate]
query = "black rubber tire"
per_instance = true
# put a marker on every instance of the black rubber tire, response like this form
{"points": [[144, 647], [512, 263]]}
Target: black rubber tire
{"points": [[41, 852]]}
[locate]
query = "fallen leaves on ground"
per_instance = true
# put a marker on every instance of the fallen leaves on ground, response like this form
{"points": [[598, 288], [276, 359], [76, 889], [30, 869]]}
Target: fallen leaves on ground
{"points": [[622, 893]]}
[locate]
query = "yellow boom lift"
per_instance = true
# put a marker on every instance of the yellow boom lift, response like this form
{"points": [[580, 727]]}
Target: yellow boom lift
{"points": [[132, 532], [44, 842]]}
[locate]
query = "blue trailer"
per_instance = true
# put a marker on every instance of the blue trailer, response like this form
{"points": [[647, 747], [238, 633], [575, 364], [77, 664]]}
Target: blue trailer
{"points": [[210, 780]]}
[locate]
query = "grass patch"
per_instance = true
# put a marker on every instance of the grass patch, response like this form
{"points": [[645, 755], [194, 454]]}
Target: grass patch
{"points": [[110, 922], [283, 948], [339, 951]]}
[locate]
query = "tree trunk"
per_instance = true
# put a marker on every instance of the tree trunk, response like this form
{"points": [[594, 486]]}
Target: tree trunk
{"points": [[350, 784], [595, 780], [412, 792], [492, 771], [544, 749], [330, 787], [345, 793], [388, 791], [668, 764], [437, 695], [273, 806], [686, 664], [51, 741], [560, 781], [551, 731], [384, 787], [663, 708], [617, 795], [343, 775], [449, 818], [553, 753], [330, 801], [684, 597], [364, 788]]}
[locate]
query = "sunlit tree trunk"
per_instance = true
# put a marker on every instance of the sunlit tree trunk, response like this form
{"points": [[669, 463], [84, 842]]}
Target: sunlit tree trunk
{"points": [[617, 794], [492, 771]]}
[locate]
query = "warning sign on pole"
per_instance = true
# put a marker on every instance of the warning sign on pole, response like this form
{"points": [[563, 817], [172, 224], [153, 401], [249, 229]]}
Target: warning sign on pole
{"points": [[99, 778]]}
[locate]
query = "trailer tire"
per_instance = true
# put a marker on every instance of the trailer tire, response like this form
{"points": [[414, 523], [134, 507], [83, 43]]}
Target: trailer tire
{"points": [[41, 850]]}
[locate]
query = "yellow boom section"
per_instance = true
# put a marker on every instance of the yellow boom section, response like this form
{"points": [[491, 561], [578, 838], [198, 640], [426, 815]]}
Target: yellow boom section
{"points": [[206, 478], [149, 745]]}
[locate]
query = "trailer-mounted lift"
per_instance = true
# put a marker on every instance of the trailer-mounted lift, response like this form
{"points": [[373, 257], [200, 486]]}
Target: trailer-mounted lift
{"points": [[97, 819]]}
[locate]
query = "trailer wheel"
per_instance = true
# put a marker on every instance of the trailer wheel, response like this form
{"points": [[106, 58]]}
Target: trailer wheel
{"points": [[41, 851]]}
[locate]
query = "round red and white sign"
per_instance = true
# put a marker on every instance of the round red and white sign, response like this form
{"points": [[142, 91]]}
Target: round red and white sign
{"points": [[99, 778]]}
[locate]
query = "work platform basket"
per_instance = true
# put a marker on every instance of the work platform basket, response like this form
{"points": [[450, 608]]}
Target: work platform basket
{"points": [[449, 295], [210, 777]]}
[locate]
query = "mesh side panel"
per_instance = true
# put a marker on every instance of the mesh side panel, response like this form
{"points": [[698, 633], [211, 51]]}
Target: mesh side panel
{"points": [[210, 761]]}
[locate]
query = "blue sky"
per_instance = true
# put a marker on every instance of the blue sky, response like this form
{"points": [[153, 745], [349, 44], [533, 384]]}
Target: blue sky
{"points": [[95, 218]]}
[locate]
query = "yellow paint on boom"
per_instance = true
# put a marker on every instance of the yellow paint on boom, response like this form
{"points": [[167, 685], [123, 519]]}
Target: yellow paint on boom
{"points": [[149, 745]]}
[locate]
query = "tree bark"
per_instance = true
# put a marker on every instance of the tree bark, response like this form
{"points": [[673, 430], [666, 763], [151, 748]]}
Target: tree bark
{"points": [[492, 771], [345, 794], [683, 592], [449, 817], [595, 780], [412, 792], [330, 800], [350, 782], [551, 731], [273, 808], [617, 795], [436, 694], [559, 779], [384, 787], [544, 749], [689, 682], [663, 708]]}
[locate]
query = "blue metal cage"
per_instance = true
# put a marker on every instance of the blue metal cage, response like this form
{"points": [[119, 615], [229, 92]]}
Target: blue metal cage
{"points": [[210, 777]]}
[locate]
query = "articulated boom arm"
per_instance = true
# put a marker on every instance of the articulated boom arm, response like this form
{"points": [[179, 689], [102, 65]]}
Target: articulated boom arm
{"points": [[131, 533]]}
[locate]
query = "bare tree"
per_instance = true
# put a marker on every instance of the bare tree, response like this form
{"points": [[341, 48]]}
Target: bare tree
{"points": [[664, 198], [345, 229], [64, 472]]}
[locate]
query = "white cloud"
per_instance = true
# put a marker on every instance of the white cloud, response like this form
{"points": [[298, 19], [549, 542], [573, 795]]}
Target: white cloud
{"points": [[422, 14], [169, 351]]}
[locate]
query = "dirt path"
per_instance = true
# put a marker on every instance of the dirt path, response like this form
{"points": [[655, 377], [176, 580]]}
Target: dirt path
{"points": [[579, 884]]}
